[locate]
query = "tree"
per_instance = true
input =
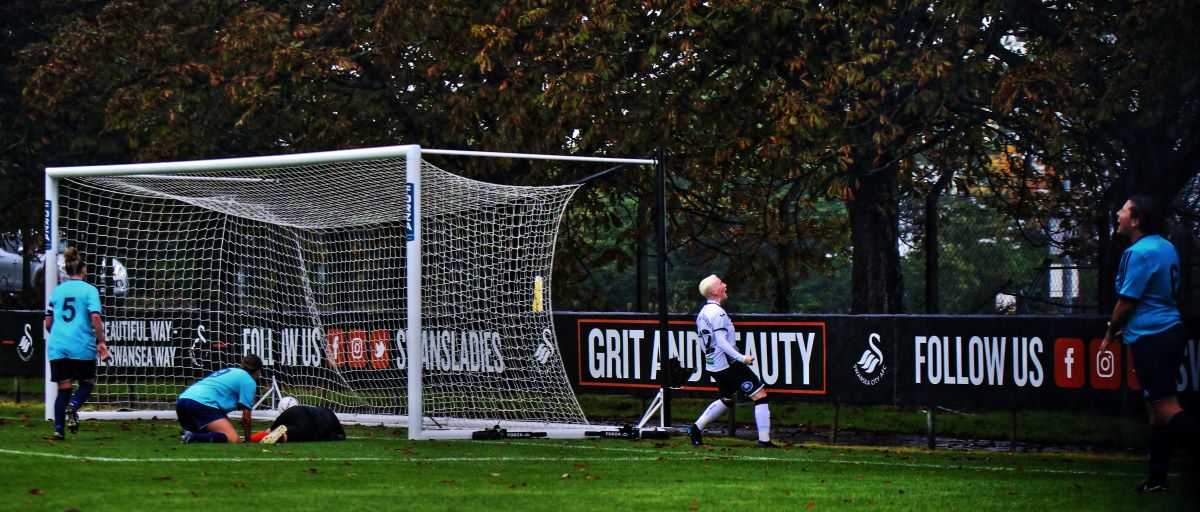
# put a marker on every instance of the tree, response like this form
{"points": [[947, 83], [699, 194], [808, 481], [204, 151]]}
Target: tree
{"points": [[1106, 95]]}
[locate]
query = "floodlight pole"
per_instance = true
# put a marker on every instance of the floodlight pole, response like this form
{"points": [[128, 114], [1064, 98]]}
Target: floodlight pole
{"points": [[660, 174]]}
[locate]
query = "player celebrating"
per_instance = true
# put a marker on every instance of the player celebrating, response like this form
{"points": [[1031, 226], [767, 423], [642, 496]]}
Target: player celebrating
{"points": [[1147, 319], [76, 329], [202, 407], [727, 366]]}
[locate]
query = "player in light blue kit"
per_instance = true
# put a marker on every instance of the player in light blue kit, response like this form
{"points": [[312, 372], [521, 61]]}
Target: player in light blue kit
{"points": [[203, 406], [1147, 319], [76, 328]]}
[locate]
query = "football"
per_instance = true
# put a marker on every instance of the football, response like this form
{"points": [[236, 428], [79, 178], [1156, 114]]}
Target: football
{"points": [[286, 402]]}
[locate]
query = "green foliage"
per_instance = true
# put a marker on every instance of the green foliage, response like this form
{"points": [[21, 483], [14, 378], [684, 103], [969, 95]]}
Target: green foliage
{"points": [[767, 111]]}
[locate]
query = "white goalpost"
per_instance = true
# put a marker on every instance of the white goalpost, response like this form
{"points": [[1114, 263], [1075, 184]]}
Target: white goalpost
{"points": [[370, 281]]}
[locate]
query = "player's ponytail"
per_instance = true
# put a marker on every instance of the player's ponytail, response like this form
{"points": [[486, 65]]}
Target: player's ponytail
{"points": [[72, 261]]}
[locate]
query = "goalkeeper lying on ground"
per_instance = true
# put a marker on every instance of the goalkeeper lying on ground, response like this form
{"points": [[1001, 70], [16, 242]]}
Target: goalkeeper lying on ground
{"points": [[303, 423]]}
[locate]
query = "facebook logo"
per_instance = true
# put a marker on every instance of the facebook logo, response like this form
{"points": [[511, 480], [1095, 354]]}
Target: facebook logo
{"points": [[1070, 363]]}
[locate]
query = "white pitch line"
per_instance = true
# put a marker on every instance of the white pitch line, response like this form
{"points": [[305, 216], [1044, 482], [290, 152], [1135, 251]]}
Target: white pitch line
{"points": [[650, 456]]}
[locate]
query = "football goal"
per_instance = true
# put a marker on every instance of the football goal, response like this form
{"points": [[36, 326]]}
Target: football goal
{"points": [[369, 281]]}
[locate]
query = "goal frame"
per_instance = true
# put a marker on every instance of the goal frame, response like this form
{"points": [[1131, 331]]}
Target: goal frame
{"points": [[412, 154]]}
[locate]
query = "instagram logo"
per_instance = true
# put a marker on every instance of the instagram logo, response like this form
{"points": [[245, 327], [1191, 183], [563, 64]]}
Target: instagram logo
{"points": [[1106, 364]]}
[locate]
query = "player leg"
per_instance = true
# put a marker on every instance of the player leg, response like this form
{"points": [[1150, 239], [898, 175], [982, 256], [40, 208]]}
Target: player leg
{"points": [[712, 412], [762, 418], [203, 424], [1182, 424], [757, 391], [1154, 365], [62, 416], [219, 431], [276, 435], [60, 374], [728, 393], [85, 371]]}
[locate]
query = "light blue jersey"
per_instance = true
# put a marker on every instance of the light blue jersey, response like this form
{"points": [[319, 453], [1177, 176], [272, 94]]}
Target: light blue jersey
{"points": [[224, 389], [71, 332], [1149, 274]]}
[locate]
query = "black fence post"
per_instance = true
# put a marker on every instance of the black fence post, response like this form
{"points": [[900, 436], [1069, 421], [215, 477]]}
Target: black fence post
{"points": [[833, 430], [929, 428]]}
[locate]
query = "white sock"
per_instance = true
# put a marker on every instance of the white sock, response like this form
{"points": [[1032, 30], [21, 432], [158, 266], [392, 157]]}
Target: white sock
{"points": [[762, 417], [711, 413]]}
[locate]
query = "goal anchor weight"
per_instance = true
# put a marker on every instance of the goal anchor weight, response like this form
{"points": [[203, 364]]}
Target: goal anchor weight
{"points": [[629, 432], [494, 433]]}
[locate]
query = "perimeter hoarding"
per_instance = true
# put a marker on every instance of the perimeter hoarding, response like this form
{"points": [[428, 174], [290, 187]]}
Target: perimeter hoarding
{"points": [[976, 362]]}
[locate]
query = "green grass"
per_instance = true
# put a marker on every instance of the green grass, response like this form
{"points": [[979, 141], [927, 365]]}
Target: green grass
{"points": [[813, 420], [140, 465]]}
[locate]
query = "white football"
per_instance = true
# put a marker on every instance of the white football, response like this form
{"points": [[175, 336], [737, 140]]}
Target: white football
{"points": [[286, 402]]}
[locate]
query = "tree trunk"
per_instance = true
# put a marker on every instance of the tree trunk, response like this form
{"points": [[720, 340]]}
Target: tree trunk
{"points": [[874, 230], [932, 251], [783, 280], [641, 249]]}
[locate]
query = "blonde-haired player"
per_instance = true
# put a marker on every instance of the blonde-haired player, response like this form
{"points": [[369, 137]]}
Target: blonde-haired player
{"points": [[727, 366]]}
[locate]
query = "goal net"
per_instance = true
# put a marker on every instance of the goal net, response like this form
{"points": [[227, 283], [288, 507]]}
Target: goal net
{"points": [[305, 261]]}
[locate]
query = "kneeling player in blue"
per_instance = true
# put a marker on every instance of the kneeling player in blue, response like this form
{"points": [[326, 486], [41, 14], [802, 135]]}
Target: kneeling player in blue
{"points": [[727, 366], [203, 406]]}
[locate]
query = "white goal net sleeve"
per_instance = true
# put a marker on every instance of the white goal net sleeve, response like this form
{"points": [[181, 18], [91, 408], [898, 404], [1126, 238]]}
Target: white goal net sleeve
{"points": [[305, 266]]}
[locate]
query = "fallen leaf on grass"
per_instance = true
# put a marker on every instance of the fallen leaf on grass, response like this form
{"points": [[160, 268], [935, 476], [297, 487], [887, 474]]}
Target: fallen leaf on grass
{"points": [[566, 476], [239, 485], [162, 478], [811, 505], [36, 492]]}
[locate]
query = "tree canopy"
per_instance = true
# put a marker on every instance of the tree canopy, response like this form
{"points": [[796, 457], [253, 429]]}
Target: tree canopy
{"points": [[769, 111]]}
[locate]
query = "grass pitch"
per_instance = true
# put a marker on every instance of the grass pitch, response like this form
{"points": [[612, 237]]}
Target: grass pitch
{"points": [[140, 465]]}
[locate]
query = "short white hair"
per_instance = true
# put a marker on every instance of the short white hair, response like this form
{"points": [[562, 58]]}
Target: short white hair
{"points": [[707, 284]]}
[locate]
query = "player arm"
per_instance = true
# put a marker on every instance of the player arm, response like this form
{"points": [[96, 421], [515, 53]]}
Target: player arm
{"points": [[1120, 316], [98, 327], [49, 320], [248, 388], [246, 421], [721, 339]]}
